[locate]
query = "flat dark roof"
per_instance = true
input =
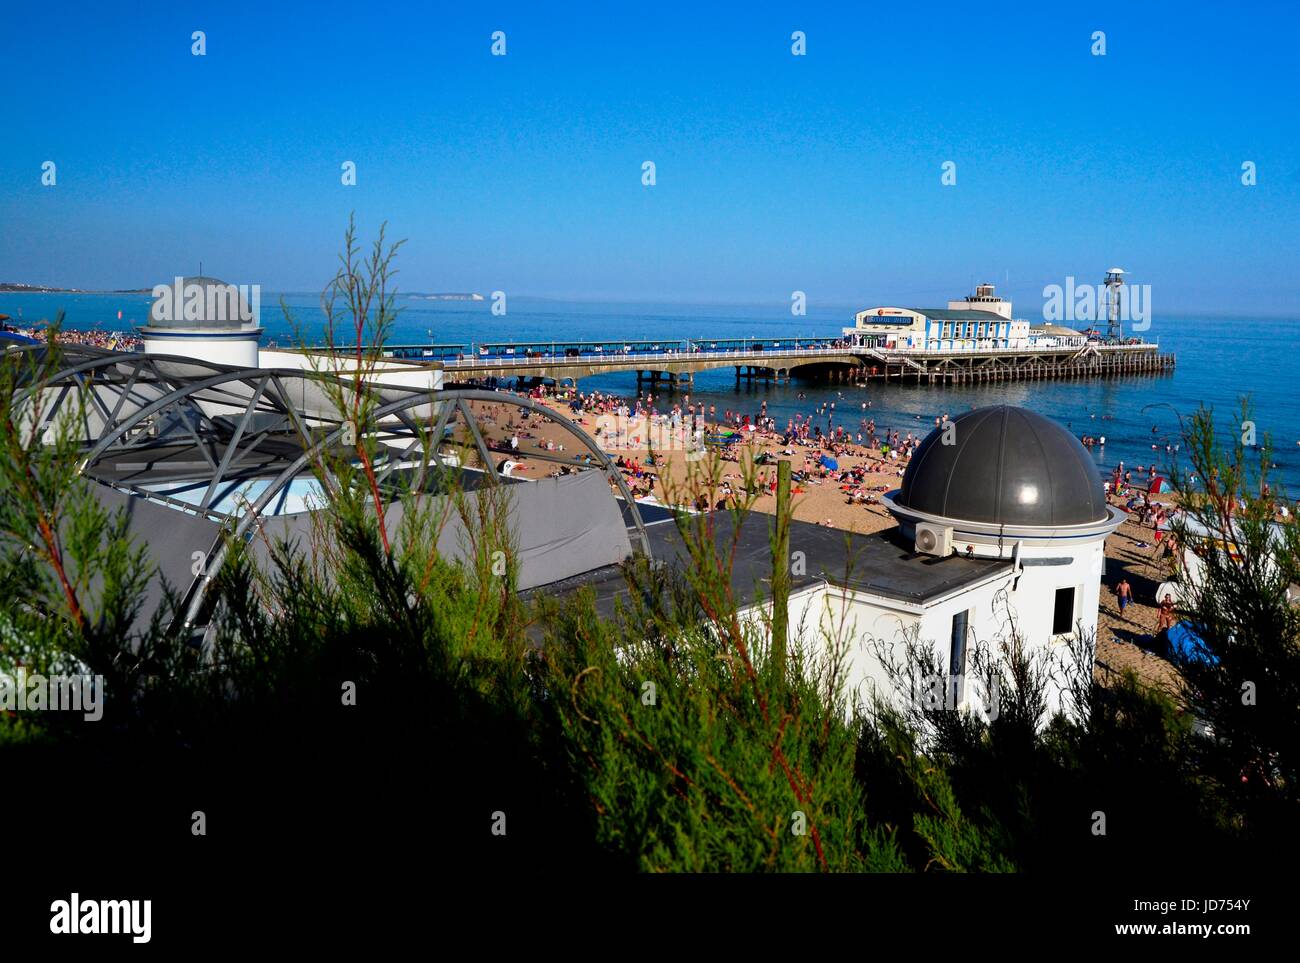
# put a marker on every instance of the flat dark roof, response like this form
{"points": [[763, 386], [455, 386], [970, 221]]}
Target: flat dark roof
{"points": [[882, 564]]}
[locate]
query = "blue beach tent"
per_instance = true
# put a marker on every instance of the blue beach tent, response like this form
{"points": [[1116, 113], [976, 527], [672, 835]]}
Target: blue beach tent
{"points": [[1184, 642]]}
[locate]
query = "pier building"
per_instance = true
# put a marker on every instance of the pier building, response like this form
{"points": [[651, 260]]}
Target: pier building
{"points": [[981, 320]]}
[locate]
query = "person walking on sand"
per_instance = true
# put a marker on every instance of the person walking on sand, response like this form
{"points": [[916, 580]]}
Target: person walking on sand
{"points": [[1166, 620], [1124, 592]]}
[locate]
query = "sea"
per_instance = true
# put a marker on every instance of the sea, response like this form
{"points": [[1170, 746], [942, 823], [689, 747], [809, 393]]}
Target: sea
{"points": [[1221, 363]]}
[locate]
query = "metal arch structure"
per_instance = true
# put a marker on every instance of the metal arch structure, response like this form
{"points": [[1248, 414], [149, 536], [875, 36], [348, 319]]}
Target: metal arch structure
{"points": [[257, 400], [93, 359], [127, 379], [152, 404], [217, 409], [267, 393], [452, 400]]}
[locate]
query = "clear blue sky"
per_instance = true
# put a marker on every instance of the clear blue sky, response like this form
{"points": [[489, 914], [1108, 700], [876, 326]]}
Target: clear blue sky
{"points": [[775, 173]]}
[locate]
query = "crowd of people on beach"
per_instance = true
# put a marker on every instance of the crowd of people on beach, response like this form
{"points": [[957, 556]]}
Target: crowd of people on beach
{"points": [[95, 338], [646, 423], [817, 441]]}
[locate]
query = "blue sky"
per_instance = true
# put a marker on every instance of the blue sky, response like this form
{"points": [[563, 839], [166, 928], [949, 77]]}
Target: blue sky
{"points": [[775, 173]]}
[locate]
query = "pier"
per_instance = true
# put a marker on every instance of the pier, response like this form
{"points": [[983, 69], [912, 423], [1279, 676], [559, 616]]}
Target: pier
{"points": [[973, 366], [676, 366]]}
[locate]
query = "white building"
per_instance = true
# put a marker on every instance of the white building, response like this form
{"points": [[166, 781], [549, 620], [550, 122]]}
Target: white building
{"points": [[1003, 530], [383, 371], [1050, 335], [1019, 334], [219, 323], [983, 300], [980, 320]]}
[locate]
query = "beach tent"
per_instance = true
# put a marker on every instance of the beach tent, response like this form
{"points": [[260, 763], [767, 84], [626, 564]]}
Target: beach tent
{"points": [[1160, 484], [829, 462], [1184, 642]]}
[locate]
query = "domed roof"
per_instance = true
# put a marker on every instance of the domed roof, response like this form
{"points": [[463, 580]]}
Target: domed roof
{"points": [[1005, 466], [199, 302]]}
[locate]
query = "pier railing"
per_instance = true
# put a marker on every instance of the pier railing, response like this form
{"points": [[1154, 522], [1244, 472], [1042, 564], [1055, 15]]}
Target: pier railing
{"points": [[630, 359], [845, 362], [1031, 349], [633, 359]]}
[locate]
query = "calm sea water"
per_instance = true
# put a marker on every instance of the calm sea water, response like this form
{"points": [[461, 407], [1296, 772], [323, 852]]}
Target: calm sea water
{"points": [[1219, 361]]}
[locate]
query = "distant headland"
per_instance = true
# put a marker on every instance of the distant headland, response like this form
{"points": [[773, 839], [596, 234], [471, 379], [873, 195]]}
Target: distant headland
{"points": [[13, 287], [451, 296]]}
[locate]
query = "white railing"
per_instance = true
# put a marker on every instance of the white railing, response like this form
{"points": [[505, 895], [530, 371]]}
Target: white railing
{"points": [[631, 359], [734, 354], [1035, 349]]}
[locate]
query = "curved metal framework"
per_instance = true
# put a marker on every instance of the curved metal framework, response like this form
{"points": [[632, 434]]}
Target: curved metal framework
{"points": [[255, 423], [452, 401], [128, 380]]}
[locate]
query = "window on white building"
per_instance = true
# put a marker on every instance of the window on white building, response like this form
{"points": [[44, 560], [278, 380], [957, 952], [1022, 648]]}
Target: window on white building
{"points": [[1063, 611], [957, 657]]}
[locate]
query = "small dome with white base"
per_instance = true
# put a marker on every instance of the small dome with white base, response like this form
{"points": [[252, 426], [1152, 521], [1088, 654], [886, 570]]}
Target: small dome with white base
{"points": [[1004, 465], [202, 317], [1006, 484]]}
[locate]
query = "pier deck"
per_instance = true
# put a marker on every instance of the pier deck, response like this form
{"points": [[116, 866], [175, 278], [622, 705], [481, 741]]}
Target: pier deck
{"points": [[843, 364], [979, 365]]}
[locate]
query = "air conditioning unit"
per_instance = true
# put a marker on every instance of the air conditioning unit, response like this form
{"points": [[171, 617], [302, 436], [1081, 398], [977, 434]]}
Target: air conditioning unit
{"points": [[933, 539]]}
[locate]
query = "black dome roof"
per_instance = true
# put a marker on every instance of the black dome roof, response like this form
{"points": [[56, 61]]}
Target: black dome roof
{"points": [[1006, 466]]}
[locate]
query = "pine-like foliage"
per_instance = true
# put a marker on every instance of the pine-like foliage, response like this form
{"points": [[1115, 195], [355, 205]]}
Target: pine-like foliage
{"points": [[1240, 601]]}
